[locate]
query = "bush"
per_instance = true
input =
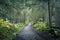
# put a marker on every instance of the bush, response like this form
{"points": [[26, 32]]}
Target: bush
{"points": [[40, 26], [8, 30], [19, 26]]}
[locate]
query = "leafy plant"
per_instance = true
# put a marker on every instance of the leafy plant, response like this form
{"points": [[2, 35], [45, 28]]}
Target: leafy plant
{"points": [[40, 26], [8, 30]]}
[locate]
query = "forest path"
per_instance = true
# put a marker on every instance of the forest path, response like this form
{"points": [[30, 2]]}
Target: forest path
{"points": [[28, 33]]}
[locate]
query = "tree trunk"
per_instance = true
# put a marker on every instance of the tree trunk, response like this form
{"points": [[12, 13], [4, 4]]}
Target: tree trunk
{"points": [[49, 13]]}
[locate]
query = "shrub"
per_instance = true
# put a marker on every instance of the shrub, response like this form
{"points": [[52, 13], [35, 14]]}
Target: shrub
{"points": [[8, 30], [19, 26], [40, 26]]}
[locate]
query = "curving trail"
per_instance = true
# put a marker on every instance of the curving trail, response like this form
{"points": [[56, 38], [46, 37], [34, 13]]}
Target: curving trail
{"points": [[28, 33]]}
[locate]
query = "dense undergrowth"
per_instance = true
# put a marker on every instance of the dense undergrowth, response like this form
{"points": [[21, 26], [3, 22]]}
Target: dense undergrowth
{"points": [[8, 30], [40, 26]]}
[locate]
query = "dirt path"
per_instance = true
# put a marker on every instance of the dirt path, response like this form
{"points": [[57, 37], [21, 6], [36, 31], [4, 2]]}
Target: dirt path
{"points": [[28, 33]]}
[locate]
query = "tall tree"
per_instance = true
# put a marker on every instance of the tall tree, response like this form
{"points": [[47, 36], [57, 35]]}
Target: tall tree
{"points": [[49, 12]]}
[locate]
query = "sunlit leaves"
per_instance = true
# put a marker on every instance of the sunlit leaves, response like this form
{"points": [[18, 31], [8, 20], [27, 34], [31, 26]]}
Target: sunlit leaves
{"points": [[40, 26], [8, 30]]}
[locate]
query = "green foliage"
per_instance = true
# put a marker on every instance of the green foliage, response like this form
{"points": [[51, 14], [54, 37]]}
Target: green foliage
{"points": [[19, 26], [8, 30], [40, 26]]}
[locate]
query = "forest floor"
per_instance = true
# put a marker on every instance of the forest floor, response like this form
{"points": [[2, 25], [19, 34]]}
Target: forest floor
{"points": [[27, 33]]}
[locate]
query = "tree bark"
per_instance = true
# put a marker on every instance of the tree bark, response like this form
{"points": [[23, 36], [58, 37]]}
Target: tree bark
{"points": [[49, 13]]}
